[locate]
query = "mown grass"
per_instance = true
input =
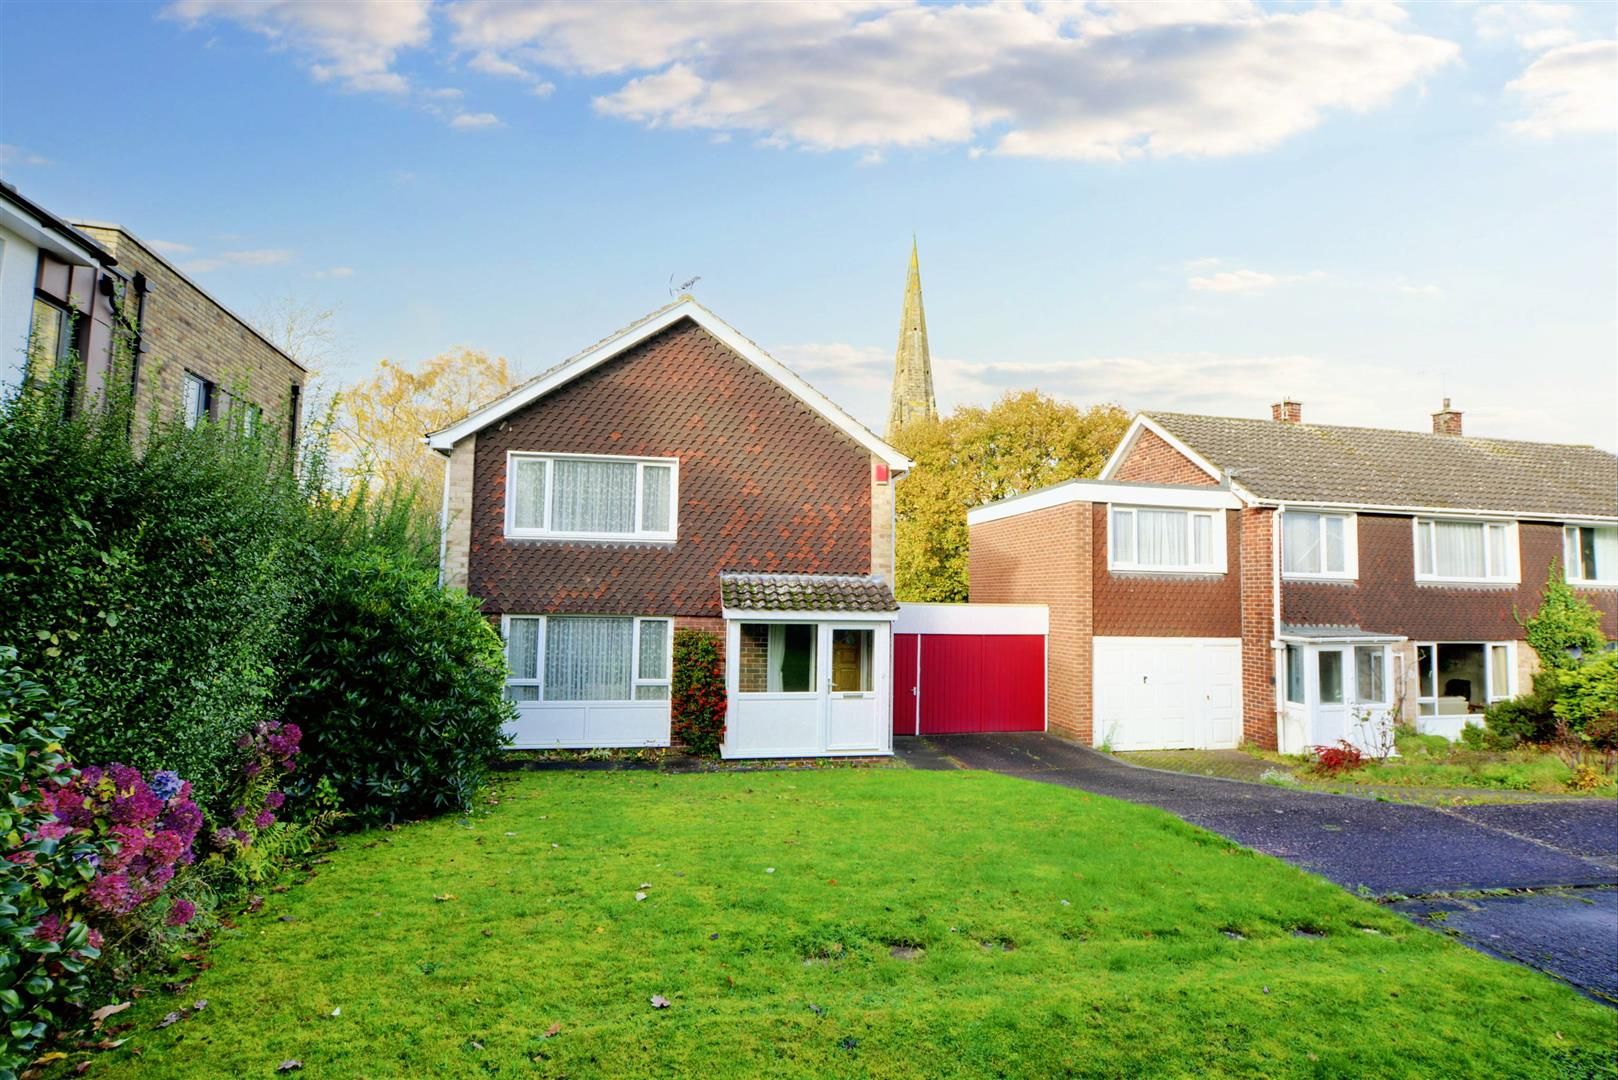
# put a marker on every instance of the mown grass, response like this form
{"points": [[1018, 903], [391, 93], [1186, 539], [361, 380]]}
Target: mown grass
{"points": [[1060, 934]]}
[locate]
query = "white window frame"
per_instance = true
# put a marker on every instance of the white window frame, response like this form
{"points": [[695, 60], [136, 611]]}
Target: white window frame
{"points": [[1217, 554], [1567, 563], [1510, 574], [208, 393], [1351, 546], [636, 681], [1489, 696], [639, 535]]}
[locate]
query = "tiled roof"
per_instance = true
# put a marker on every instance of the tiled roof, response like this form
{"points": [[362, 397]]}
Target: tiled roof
{"points": [[806, 592], [1379, 467]]}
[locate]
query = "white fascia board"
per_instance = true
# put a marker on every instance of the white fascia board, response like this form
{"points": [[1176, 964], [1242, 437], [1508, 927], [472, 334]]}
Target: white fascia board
{"points": [[444, 439], [1177, 496], [1142, 422], [745, 615], [1343, 639], [1431, 511], [989, 619], [34, 231]]}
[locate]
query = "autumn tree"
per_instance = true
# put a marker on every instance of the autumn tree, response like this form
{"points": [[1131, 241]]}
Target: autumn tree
{"points": [[1026, 440], [377, 433]]}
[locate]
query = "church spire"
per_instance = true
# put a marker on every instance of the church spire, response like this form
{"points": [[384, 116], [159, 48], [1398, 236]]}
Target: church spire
{"points": [[912, 364]]}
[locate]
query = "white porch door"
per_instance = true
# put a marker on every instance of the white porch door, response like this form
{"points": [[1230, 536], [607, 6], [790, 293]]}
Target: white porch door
{"points": [[842, 709], [1330, 673], [854, 717]]}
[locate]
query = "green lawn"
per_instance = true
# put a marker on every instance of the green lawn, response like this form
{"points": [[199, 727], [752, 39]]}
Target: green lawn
{"points": [[1059, 934]]}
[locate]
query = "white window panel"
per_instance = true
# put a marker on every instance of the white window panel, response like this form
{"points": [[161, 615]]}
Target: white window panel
{"points": [[587, 658], [1590, 554], [1157, 540], [1319, 545], [1465, 551], [591, 497]]}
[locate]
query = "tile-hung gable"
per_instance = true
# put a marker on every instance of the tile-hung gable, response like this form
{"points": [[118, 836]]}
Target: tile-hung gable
{"points": [[1327, 464]]}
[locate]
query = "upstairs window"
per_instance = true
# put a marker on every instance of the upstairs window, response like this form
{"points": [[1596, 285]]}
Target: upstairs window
{"points": [[1318, 545], [197, 404], [1153, 540], [591, 498], [1590, 554], [1482, 551]]}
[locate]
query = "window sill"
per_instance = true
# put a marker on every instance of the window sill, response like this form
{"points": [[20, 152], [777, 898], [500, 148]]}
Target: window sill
{"points": [[1322, 579], [649, 539], [1579, 583], [1167, 571], [1495, 583]]}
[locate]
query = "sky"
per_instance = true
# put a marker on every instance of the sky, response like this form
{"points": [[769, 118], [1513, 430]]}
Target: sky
{"points": [[1197, 207]]}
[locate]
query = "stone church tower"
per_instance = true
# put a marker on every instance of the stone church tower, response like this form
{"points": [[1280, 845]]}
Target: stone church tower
{"points": [[912, 364]]}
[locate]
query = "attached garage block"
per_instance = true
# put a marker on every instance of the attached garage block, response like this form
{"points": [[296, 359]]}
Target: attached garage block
{"points": [[1167, 693], [965, 668]]}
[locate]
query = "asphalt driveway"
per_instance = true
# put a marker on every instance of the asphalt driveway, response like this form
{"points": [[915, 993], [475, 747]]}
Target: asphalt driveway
{"points": [[1389, 849]]}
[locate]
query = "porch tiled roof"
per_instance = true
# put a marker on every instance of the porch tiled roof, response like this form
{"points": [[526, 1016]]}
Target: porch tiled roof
{"points": [[805, 592], [1380, 467]]}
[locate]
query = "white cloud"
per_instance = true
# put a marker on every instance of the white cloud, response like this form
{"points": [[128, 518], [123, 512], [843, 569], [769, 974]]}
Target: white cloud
{"points": [[335, 272], [169, 247], [16, 155], [1084, 81], [1246, 281], [354, 42], [1570, 89], [254, 257], [1533, 26], [474, 121]]}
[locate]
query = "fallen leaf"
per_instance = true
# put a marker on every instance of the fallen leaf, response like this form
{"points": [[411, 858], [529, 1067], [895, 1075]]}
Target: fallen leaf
{"points": [[171, 1018], [81, 1068], [289, 1065], [659, 1001], [646, 884], [444, 897], [254, 904], [337, 1011], [769, 869], [200, 1005], [640, 896], [713, 937], [109, 1044], [553, 1031], [100, 1015], [286, 918], [46, 1059]]}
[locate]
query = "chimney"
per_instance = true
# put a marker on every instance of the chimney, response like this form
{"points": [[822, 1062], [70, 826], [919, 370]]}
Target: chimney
{"points": [[1287, 411], [1447, 421]]}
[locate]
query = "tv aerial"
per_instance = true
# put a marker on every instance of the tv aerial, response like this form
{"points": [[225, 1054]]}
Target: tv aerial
{"points": [[682, 287]]}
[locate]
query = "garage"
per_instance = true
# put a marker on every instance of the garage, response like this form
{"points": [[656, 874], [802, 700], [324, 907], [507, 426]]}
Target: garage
{"points": [[1167, 693], [966, 668]]}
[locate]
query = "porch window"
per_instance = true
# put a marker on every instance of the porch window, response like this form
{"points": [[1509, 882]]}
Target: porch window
{"points": [[1295, 692], [1465, 550], [1317, 545], [1166, 541], [777, 658], [1590, 554], [1330, 662], [1457, 678], [591, 498], [587, 658], [1370, 664], [851, 660]]}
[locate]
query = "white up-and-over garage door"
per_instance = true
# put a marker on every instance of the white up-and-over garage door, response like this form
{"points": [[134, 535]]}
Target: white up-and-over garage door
{"points": [[1168, 693]]}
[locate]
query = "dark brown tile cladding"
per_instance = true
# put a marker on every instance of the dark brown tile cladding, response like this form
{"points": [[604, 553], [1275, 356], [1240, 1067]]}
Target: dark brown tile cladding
{"points": [[1146, 605], [1387, 600], [1153, 461], [766, 485]]}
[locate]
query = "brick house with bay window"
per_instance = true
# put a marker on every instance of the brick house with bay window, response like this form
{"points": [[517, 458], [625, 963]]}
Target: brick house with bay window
{"points": [[677, 476], [1292, 584]]}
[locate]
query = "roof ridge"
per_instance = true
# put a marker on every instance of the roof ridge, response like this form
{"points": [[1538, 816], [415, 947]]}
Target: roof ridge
{"points": [[1291, 425]]}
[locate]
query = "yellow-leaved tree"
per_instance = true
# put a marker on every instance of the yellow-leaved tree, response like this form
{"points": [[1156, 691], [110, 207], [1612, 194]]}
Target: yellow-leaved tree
{"points": [[376, 435], [1026, 440]]}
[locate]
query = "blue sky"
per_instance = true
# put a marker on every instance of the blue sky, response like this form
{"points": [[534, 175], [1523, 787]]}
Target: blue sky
{"points": [[1199, 207]]}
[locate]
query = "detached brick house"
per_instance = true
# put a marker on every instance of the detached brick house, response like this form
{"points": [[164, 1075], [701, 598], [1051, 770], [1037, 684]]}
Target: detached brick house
{"points": [[76, 290], [675, 475], [1294, 584]]}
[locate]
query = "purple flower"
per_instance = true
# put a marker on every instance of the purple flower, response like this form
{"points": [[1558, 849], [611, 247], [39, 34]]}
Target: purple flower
{"points": [[252, 769], [50, 928], [275, 799], [238, 813], [180, 913], [223, 838], [264, 820], [111, 894], [166, 784]]}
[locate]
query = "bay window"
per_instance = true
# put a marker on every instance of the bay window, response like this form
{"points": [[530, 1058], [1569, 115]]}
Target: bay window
{"points": [[587, 658], [1462, 677], [1150, 539], [1480, 551], [1318, 545], [591, 498], [1590, 554]]}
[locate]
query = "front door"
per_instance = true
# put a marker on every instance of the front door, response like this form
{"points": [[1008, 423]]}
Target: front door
{"points": [[1331, 694], [853, 718]]}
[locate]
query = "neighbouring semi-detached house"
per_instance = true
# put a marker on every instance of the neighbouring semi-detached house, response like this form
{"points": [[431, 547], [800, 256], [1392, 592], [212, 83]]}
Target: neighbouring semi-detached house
{"points": [[1294, 584], [76, 291], [675, 475]]}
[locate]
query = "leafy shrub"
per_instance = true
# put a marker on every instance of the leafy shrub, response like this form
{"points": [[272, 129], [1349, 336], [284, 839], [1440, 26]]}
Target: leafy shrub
{"points": [[1526, 718], [697, 693], [1588, 692], [257, 844], [398, 686], [1585, 777], [1332, 760], [1564, 622]]}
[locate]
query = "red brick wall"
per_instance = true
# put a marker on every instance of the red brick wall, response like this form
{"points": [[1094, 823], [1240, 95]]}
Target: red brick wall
{"points": [[1258, 626], [1386, 598], [1164, 605], [1153, 461], [1044, 558], [766, 484]]}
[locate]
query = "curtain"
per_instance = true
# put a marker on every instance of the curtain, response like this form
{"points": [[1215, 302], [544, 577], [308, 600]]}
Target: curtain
{"points": [[1603, 565], [654, 649], [588, 659], [1459, 549], [654, 500], [528, 493], [1201, 539], [593, 496], [1368, 669], [1123, 536], [1335, 563], [1161, 537]]}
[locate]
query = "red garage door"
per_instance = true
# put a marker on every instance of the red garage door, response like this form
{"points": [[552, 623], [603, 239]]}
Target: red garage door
{"points": [[952, 684]]}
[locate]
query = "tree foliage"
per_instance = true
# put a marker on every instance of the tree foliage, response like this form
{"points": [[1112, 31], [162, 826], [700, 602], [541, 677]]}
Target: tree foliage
{"points": [[377, 437], [1026, 440], [1565, 621]]}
